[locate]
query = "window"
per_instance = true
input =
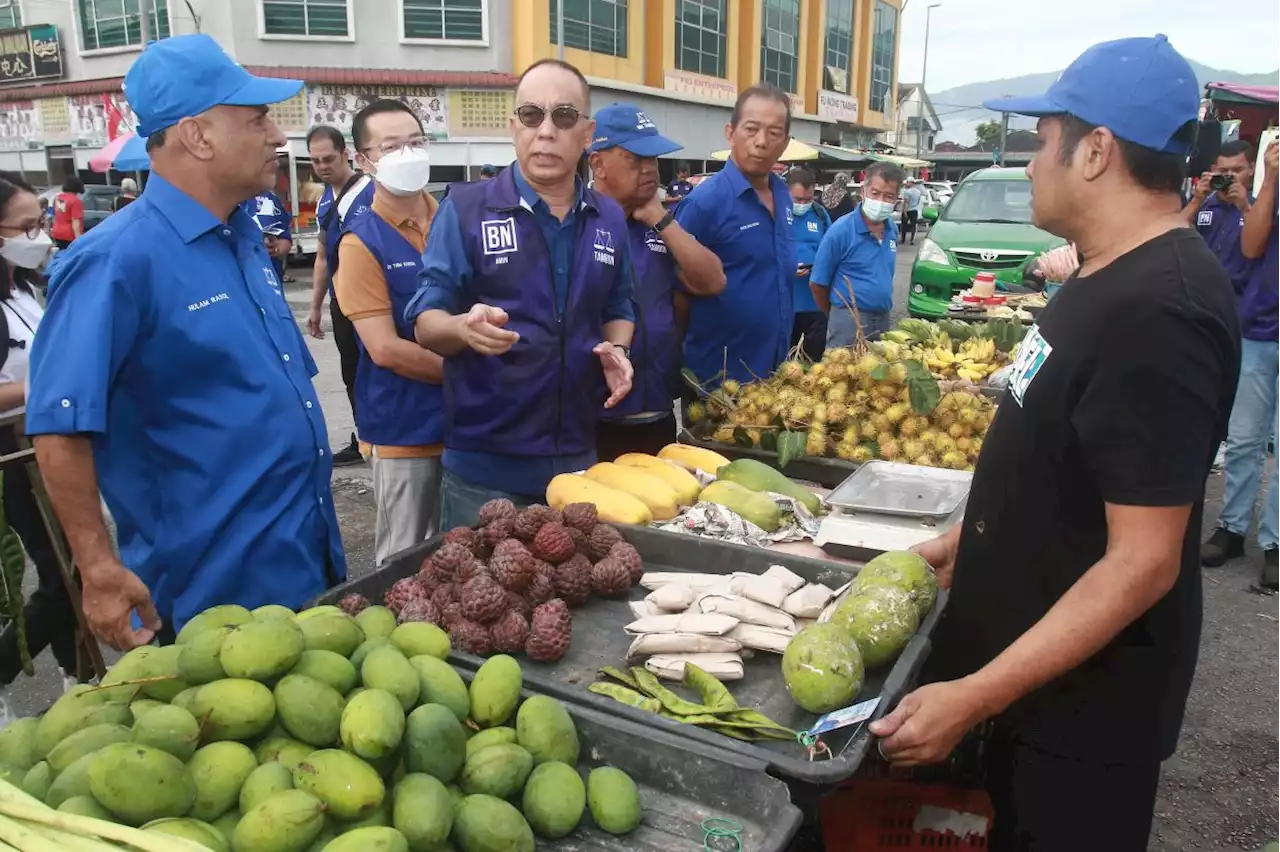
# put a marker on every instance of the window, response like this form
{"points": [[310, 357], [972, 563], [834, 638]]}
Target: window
{"points": [[307, 18], [11, 17], [700, 36], [883, 41], [106, 24], [444, 20], [599, 26], [780, 43], [839, 44]]}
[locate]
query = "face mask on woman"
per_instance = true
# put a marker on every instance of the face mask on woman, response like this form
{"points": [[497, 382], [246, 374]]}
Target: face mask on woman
{"points": [[26, 252]]}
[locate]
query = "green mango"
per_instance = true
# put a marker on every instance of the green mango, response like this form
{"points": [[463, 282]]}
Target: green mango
{"points": [[495, 691], [18, 743], [86, 805], [358, 657], [262, 650], [170, 729], [282, 749], [351, 788], [263, 613], [190, 829], [758, 476], [226, 824], [546, 731], [371, 839], [263, 782], [614, 799], [337, 632], [37, 780], [328, 667], [439, 683], [309, 709], [422, 810], [226, 615], [554, 799], [144, 663], [490, 737], [288, 821], [233, 709], [379, 816], [76, 709], [199, 660], [499, 770], [435, 742], [387, 668], [488, 823], [218, 771], [139, 783], [71, 782], [140, 707], [376, 621], [85, 741], [416, 638], [372, 724], [323, 609]]}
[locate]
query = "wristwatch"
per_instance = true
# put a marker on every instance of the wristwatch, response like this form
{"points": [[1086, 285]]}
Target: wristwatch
{"points": [[664, 222], [626, 350]]}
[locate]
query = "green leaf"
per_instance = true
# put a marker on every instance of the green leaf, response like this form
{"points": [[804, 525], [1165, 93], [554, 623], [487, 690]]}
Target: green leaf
{"points": [[924, 393], [691, 379], [791, 446], [742, 437], [917, 370], [880, 372], [769, 441]]}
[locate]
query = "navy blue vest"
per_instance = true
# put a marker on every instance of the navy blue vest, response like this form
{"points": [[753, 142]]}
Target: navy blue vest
{"points": [[543, 396], [655, 350], [390, 409]]}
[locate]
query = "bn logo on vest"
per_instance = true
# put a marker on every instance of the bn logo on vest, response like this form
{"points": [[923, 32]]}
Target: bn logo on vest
{"points": [[499, 236]]}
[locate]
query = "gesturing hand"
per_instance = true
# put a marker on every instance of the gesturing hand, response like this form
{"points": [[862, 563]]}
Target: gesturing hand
{"points": [[111, 594], [1059, 264], [483, 330], [618, 372], [1271, 159]]}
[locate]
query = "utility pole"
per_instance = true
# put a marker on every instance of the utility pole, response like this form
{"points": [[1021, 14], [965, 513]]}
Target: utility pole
{"points": [[1004, 134], [928, 18], [560, 30], [144, 25]]}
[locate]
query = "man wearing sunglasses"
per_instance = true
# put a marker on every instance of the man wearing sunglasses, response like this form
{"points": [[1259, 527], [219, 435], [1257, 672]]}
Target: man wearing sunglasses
{"points": [[665, 259], [743, 214], [526, 292]]}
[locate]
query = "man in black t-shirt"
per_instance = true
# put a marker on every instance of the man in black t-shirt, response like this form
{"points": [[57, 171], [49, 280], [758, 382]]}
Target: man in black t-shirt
{"points": [[1074, 618]]}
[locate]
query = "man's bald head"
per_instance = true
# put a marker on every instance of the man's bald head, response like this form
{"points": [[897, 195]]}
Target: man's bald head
{"points": [[545, 69]]}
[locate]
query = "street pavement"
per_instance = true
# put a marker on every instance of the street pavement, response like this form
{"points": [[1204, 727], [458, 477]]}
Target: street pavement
{"points": [[1219, 792]]}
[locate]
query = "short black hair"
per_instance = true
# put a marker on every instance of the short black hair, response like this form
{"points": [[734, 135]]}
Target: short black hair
{"points": [[155, 140], [888, 172], [560, 63], [333, 134], [682, 166], [27, 280], [360, 124], [1236, 148], [73, 184], [760, 90], [1151, 169], [803, 177]]}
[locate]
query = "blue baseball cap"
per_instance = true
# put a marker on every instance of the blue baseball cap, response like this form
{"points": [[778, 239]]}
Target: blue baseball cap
{"points": [[186, 75], [488, 169], [626, 126], [1140, 89]]}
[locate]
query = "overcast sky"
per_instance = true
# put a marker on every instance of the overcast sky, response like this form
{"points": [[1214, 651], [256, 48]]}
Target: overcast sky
{"points": [[975, 40]]}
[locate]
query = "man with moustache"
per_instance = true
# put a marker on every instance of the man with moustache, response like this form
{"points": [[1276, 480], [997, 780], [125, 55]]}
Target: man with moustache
{"points": [[526, 292], [743, 214], [169, 373]]}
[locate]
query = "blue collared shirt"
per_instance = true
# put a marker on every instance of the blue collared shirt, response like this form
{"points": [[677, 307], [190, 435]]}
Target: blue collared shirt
{"points": [[746, 330], [1220, 223], [809, 230], [850, 250], [268, 211], [446, 271], [168, 343]]}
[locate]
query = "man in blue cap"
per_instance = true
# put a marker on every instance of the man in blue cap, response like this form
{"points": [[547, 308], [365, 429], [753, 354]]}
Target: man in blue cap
{"points": [[1074, 618], [666, 259], [170, 373]]}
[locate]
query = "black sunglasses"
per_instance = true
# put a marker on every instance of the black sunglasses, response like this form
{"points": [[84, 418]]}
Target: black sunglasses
{"points": [[564, 117]]}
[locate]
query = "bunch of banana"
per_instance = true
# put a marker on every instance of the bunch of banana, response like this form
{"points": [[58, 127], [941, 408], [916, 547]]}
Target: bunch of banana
{"points": [[979, 349]]}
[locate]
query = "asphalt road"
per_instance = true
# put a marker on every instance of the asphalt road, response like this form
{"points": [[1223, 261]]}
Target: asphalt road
{"points": [[1219, 792]]}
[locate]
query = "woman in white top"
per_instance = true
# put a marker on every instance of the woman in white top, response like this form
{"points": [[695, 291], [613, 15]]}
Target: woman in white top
{"points": [[50, 619]]}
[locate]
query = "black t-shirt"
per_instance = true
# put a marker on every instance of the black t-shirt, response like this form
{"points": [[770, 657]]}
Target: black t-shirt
{"points": [[1120, 394]]}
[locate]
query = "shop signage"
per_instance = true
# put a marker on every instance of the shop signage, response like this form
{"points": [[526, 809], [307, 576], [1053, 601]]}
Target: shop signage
{"points": [[480, 113], [20, 128], [797, 102], [834, 106], [30, 53], [700, 86], [337, 105]]}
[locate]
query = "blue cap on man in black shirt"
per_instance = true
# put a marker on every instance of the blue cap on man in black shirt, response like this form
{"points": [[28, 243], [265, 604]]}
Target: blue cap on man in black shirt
{"points": [[1140, 89]]}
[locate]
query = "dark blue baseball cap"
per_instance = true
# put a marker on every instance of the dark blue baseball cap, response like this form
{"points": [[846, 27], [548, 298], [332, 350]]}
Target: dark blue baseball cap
{"points": [[1140, 89], [186, 75], [626, 126]]}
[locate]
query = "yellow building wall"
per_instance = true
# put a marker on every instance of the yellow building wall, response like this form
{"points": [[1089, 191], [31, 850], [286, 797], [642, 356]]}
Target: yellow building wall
{"points": [[864, 13], [531, 41]]}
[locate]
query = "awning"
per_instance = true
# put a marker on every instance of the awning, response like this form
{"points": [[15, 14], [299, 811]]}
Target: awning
{"points": [[844, 155], [905, 162], [1243, 94], [796, 151]]}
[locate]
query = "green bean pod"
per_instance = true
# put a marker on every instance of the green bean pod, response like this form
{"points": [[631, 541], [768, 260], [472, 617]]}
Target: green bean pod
{"points": [[621, 676], [649, 685], [623, 695], [714, 693]]}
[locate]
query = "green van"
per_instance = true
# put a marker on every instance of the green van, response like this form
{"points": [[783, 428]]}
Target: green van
{"points": [[986, 227]]}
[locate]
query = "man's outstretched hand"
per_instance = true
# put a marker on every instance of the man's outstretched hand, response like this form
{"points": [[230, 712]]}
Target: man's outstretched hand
{"points": [[484, 330], [618, 372], [111, 595]]}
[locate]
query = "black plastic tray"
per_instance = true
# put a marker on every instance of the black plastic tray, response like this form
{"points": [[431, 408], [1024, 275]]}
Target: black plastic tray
{"points": [[681, 784], [599, 640], [821, 471]]}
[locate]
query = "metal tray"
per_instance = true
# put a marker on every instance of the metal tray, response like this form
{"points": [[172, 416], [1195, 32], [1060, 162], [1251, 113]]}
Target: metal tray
{"points": [[906, 490], [598, 640], [681, 784]]}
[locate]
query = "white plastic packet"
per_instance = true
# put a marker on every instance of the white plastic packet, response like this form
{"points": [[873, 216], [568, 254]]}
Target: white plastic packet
{"points": [[746, 610], [772, 639], [706, 624], [807, 602], [671, 666], [671, 598], [681, 643]]}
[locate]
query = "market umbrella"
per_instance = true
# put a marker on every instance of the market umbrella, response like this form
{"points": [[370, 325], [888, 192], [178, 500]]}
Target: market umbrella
{"points": [[125, 153], [796, 150]]}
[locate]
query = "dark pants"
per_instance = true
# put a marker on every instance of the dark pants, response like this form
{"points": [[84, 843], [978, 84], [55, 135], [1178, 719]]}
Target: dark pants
{"points": [[909, 220], [1048, 803], [62, 243], [344, 335], [813, 326], [460, 501], [51, 620], [613, 438]]}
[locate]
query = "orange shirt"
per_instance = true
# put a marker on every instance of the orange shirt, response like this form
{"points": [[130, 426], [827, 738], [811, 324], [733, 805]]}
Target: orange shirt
{"points": [[67, 208]]}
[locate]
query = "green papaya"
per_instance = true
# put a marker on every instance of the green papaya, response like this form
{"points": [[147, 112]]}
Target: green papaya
{"points": [[757, 476]]}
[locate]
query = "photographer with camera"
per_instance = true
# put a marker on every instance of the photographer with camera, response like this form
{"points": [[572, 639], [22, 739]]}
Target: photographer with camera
{"points": [[1219, 204]]}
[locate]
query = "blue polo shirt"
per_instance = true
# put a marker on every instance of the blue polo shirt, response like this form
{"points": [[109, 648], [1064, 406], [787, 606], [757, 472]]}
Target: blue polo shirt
{"points": [[851, 251], [446, 271], [168, 343], [268, 211], [809, 230], [745, 330]]}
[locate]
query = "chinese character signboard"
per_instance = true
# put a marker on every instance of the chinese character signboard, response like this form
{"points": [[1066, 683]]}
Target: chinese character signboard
{"points": [[20, 128], [30, 53], [481, 113], [700, 86], [338, 105], [834, 106], [290, 115]]}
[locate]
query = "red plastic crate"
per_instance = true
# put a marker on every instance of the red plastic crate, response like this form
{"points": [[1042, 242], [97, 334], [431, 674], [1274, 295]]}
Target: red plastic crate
{"points": [[880, 814]]}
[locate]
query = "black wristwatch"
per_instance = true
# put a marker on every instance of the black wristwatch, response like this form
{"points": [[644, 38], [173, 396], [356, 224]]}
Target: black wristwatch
{"points": [[664, 222], [626, 350]]}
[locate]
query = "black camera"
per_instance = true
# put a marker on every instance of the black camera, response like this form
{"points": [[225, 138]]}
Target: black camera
{"points": [[1221, 183]]}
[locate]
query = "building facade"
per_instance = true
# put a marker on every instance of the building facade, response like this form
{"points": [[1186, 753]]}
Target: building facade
{"points": [[917, 125], [455, 62]]}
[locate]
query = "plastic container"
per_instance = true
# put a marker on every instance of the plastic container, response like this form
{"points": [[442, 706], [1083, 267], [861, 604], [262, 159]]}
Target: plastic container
{"points": [[984, 285], [883, 814], [599, 640]]}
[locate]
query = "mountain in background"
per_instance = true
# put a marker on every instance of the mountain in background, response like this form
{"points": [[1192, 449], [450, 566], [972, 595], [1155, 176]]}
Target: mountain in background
{"points": [[960, 111]]}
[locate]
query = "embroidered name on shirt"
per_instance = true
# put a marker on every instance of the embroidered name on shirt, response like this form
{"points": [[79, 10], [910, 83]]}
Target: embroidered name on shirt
{"points": [[604, 247], [748, 226], [498, 236], [1033, 353], [204, 303], [401, 264]]}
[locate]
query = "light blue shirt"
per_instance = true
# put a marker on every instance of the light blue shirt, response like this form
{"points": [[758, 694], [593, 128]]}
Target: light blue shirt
{"points": [[809, 230], [912, 199], [850, 250], [168, 343]]}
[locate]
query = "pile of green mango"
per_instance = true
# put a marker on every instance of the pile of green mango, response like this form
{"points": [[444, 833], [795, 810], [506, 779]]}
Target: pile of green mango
{"points": [[270, 731]]}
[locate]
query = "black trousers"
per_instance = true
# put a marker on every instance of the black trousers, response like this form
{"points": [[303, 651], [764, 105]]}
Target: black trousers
{"points": [[813, 326], [614, 438], [344, 335], [909, 220], [51, 620], [1048, 803]]}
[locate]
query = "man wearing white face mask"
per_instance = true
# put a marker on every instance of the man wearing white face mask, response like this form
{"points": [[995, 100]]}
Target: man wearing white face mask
{"points": [[860, 253], [399, 403]]}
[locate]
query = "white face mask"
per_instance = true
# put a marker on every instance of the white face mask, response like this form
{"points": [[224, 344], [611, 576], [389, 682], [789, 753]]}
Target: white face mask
{"points": [[404, 172], [799, 209], [26, 252], [877, 211]]}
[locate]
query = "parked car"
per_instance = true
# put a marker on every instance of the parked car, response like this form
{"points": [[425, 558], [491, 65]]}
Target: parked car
{"points": [[99, 203], [986, 227], [944, 189]]}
